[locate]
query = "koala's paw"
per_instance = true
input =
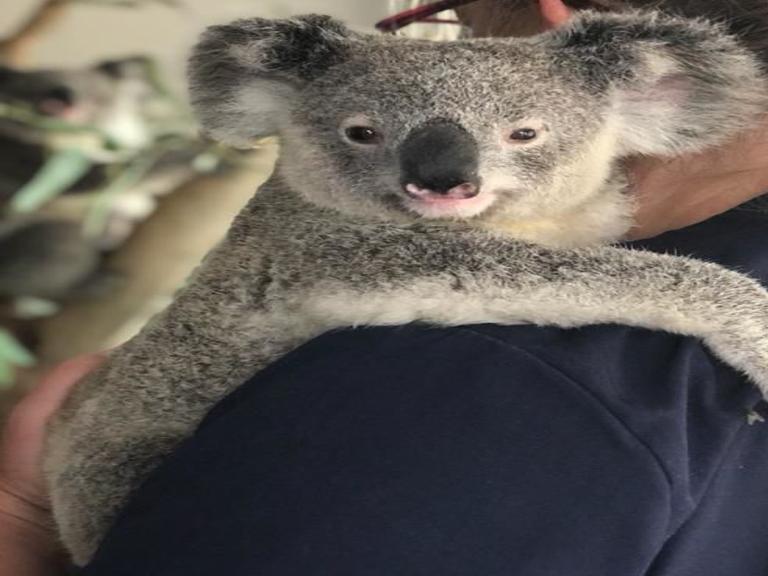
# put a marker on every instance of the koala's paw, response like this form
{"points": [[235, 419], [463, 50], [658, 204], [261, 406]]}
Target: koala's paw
{"points": [[741, 338]]}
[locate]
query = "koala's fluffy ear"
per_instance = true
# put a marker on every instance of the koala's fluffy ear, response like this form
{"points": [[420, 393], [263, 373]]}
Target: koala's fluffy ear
{"points": [[243, 75], [678, 85]]}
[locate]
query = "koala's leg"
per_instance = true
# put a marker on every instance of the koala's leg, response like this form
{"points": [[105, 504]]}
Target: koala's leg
{"points": [[153, 391], [500, 282]]}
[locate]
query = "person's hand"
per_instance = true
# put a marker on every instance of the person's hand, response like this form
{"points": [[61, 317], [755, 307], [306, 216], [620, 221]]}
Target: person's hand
{"points": [[27, 542]]}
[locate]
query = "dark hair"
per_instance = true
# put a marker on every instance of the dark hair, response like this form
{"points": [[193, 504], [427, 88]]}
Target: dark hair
{"points": [[747, 19]]}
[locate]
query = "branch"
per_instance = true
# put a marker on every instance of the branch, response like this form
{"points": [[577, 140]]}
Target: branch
{"points": [[13, 48]]}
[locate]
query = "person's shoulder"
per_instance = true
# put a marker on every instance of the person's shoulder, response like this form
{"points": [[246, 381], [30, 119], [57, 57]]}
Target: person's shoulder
{"points": [[627, 368], [466, 434], [668, 391], [657, 385], [669, 403]]}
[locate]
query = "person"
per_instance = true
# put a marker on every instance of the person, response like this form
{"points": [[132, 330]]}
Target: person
{"points": [[490, 450]]}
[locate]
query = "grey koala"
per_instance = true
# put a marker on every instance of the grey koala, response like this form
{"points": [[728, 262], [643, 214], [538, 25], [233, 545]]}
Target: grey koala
{"points": [[113, 96], [448, 183], [48, 256]]}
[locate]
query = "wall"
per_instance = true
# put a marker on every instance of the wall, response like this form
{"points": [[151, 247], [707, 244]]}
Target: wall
{"points": [[88, 29]]}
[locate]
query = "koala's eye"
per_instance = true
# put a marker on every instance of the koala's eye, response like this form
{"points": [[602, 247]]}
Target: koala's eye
{"points": [[362, 135], [523, 135]]}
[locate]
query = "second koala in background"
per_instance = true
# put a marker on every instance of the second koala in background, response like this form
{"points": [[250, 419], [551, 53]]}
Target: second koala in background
{"points": [[439, 182], [109, 112]]}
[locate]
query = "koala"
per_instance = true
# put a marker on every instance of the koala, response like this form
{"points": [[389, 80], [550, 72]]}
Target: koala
{"points": [[47, 255], [111, 95], [448, 183]]}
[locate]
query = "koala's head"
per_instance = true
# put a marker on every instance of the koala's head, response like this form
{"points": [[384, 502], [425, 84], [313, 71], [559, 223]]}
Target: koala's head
{"points": [[108, 95], [394, 127]]}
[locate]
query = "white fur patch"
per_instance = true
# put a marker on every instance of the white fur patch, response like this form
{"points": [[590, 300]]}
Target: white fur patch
{"points": [[581, 207], [258, 109], [546, 305]]}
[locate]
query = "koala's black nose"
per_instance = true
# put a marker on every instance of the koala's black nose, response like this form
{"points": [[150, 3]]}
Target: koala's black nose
{"points": [[440, 157]]}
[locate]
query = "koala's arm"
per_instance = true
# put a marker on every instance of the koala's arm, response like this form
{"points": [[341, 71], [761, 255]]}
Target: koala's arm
{"points": [[469, 278]]}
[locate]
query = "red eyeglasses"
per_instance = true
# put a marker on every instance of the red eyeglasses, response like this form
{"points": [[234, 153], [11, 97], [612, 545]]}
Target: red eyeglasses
{"points": [[425, 13], [420, 14]]}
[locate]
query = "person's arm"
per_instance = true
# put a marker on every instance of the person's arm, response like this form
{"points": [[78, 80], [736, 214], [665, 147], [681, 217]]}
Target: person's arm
{"points": [[680, 192], [28, 543]]}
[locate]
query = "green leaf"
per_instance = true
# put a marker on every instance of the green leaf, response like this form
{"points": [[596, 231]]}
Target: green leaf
{"points": [[6, 374], [26, 115], [61, 171], [11, 350], [28, 307], [12, 354]]}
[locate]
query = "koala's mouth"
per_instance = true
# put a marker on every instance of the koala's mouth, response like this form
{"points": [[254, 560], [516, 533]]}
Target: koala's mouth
{"points": [[463, 201]]}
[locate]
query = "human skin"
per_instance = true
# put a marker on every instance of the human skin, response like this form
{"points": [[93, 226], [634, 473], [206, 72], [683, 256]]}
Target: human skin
{"points": [[671, 193], [28, 544]]}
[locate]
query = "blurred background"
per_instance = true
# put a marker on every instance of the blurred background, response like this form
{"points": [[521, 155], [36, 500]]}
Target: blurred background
{"points": [[108, 196]]}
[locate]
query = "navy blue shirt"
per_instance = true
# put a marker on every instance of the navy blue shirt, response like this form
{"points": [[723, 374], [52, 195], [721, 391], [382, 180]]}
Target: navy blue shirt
{"points": [[474, 451]]}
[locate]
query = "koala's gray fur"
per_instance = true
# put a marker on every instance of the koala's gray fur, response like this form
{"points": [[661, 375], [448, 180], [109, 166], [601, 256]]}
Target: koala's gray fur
{"points": [[332, 240]]}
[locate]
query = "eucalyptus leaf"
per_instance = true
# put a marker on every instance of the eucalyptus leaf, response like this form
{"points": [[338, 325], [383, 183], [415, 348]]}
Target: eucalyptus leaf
{"points": [[12, 355], [11, 350], [62, 170], [27, 115], [28, 307], [6, 374]]}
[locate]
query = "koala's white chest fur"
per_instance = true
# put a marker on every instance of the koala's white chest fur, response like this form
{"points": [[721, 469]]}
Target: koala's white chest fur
{"points": [[601, 220], [586, 203]]}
